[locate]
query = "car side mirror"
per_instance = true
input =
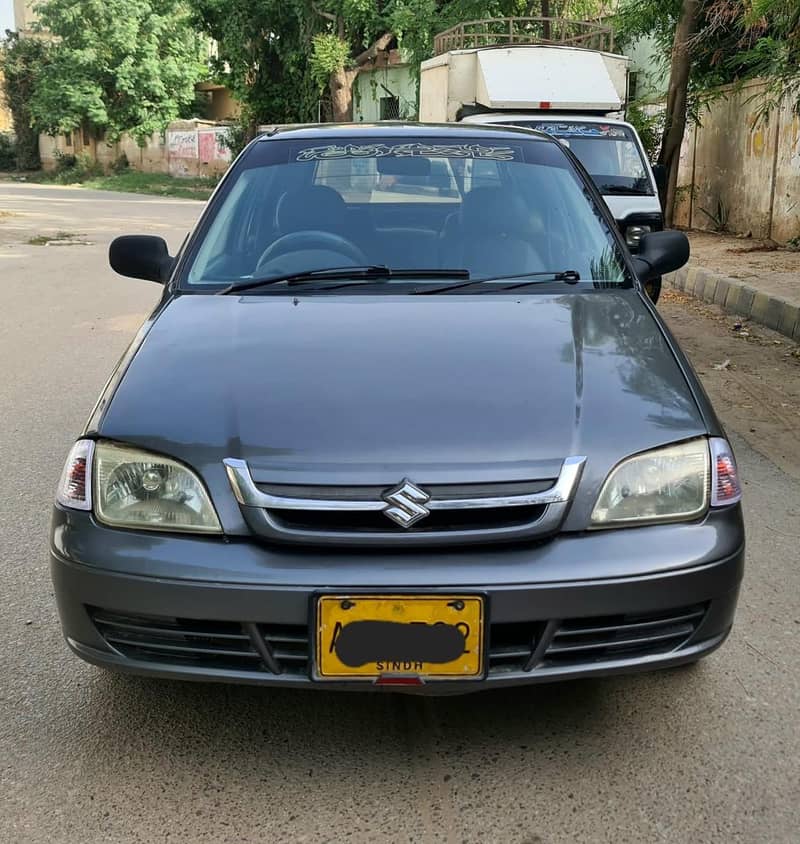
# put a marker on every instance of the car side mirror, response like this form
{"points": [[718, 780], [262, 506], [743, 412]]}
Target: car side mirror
{"points": [[660, 253], [141, 256], [660, 176]]}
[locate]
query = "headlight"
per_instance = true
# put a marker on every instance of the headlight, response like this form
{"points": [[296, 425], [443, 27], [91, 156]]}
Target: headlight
{"points": [[666, 485], [634, 234], [136, 489]]}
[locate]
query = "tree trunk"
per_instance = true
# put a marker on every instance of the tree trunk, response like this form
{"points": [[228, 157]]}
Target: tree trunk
{"points": [[341, 81], [675, 123], [341, 88]]}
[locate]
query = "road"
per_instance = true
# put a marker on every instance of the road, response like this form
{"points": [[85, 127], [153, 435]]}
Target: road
{"points": [[710, 753]]}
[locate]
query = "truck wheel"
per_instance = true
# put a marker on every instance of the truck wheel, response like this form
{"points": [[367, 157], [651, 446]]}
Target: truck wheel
{"points": [[653, 288]]}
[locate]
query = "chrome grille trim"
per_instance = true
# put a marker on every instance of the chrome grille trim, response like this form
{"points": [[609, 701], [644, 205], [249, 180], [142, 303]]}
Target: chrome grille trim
{"points": [[249, 495]]}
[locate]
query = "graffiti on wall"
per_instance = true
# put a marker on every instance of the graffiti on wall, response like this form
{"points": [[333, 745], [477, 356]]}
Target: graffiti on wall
{"points": [[212, 146], [182, 144]]}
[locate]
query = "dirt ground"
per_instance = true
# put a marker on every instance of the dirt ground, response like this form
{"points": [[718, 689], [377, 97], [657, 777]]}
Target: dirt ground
{"points": [[752, 374]]}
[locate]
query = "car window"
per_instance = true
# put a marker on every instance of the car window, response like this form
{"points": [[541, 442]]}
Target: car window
{"points": [[609, 152], [488, 208]]}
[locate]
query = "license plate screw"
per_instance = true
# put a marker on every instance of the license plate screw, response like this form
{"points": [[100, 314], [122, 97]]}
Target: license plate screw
{"points": [[346, 605], [456, 605]]}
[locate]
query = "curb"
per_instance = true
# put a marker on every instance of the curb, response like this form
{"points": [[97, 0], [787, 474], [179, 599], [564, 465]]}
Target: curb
{"points": [[736, 297]]}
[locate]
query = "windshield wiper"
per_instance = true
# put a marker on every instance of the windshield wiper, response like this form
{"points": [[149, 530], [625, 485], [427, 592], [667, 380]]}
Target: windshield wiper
{"points": [[568, 276], [367, 272]]}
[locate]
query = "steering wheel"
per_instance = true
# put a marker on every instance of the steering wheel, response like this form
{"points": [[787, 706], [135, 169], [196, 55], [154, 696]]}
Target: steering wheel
{"points": [[312, 240]]}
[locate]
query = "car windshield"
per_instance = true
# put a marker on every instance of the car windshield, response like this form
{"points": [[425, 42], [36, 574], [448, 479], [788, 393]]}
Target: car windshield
{"points": [[609, 153], [475, 208]]}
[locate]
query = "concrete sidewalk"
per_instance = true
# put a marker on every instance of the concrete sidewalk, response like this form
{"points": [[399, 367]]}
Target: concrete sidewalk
{"points": [[744, 277]]}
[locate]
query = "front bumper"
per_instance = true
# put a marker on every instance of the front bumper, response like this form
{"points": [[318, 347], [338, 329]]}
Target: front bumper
{"points": [[579, 605]]}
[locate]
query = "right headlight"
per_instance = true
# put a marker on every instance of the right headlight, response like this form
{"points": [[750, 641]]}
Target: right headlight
{"points": [[140, 490], [665, 485]]}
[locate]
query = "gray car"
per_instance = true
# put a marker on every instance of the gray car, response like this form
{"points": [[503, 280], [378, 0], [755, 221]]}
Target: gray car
{"points": [[402, 419]]}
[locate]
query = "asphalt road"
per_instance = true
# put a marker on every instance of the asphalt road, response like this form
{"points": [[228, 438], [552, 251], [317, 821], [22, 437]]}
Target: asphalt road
{"points": [[709, 753]]}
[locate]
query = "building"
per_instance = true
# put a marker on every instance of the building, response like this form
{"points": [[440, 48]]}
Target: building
{"points": [[386, 91], [25, 16]]}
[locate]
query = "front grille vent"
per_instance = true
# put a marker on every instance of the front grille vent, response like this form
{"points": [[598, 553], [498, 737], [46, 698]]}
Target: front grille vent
{"points": [[588, 640], [211, 644], [285, 649]]}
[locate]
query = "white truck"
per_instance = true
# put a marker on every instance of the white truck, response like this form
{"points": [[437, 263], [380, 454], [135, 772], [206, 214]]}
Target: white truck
{"points": [[574, 94]]}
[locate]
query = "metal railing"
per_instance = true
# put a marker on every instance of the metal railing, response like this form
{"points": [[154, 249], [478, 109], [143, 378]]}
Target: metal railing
{"points": [[493, 32]]}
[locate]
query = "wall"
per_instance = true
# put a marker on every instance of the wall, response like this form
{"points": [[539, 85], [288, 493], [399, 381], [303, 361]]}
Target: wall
{"points": [[749, 167], [220, 102], [187, 148], [367, 92], [652, 71]]}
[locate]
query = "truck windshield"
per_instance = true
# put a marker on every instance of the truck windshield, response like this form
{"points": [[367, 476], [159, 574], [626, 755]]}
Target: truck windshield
{"points": [[477, 208], [609, 153]]}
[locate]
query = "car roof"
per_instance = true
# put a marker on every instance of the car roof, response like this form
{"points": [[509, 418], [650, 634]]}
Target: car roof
{"points": [[402, 129]]}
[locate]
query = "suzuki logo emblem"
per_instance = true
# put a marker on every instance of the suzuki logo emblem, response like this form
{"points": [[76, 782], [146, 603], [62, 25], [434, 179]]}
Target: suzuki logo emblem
{"points": [[405, 504]]}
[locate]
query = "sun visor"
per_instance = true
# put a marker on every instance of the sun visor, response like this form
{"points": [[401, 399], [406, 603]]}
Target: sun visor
{"points": [[523, 78]]}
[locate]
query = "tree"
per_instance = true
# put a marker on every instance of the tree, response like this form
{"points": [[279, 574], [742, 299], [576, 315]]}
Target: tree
{"points": [[675, 122], [357, 32], [116, 66], [712, 43], [263, 56], [278, 56], [22, 61]]}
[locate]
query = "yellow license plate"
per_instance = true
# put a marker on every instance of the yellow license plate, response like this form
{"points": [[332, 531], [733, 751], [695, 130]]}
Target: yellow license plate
{"points": [[428, 636]]}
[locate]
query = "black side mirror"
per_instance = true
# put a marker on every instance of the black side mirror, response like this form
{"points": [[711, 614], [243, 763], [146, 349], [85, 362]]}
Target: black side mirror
{"points": [[141, 256], [660, 175], [660, 253]]}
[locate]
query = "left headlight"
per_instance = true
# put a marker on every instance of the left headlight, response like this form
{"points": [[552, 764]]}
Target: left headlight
{"points": [[137, 489], [665, 485]]}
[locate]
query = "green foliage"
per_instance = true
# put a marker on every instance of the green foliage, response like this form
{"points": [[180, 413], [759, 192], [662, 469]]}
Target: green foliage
{"points": [[120, 164], [719, 218], [22, 61], [116, 66], [8, 151], [277, 55], [736, 40], [649, 127], [263, 57], [329, 54], [76, 169]]}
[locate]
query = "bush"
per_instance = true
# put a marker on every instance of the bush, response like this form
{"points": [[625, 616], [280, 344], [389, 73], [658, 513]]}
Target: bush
{"points": [[649, 126], [121, 165], [73, 169], [8, 151]]}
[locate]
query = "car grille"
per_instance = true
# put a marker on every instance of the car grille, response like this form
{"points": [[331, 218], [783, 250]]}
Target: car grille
{"points": [[405, 514], [319, 521], [285, 649]]}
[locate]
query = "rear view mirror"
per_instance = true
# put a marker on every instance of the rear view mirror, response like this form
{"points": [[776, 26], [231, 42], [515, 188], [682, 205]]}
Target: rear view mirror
{"points": [[141, 256], [404, 166], [660, 253]]}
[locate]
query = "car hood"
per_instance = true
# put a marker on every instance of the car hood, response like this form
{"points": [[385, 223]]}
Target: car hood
{"points": [[369, 389]]}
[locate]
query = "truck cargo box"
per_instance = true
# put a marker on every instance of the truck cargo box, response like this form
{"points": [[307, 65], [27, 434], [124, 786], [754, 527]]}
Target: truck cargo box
{"points": [[522, 78]]}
